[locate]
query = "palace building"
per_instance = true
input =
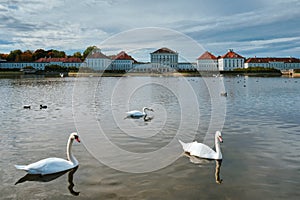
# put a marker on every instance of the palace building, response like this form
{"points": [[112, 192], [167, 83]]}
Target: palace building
{"points": [[207, 62], [161, 60], [230, 61], [122, 62], [164, 60], [96, 60], [277, 63]]}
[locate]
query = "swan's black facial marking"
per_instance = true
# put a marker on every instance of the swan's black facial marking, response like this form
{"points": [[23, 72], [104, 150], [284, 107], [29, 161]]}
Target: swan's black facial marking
{"points": [[76, 138]]}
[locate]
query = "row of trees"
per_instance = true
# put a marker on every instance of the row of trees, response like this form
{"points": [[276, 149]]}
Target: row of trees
{"points": [[30, 56]]}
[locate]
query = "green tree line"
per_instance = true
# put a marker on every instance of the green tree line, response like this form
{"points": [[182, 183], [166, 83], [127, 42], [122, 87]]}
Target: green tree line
{"points": [[30, 56]]}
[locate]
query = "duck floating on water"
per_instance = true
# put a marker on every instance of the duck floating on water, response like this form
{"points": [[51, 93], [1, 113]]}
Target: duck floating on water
{"points": [[43, 106]]}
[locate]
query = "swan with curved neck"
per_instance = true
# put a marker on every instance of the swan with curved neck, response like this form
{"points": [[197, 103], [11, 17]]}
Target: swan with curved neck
{"points": [[53, 165], [138, 114], [203, 151]]}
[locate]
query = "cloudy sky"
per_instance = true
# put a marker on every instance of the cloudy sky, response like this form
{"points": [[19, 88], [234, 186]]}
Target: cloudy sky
{"points": [[251, 28]]}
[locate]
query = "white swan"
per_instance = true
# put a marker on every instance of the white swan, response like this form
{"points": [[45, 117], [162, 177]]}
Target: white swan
{"points": [[203, 151], [53, 165], [138, 114]]}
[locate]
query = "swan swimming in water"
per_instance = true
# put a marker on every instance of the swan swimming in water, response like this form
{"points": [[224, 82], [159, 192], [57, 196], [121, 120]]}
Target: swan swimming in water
{"points": [[136, 114], [203, 151], [53, 165]]}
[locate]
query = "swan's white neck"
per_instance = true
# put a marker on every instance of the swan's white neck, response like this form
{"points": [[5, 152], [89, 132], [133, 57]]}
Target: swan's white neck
{"points": [[218, 148], [144, 111], [69, 152]]}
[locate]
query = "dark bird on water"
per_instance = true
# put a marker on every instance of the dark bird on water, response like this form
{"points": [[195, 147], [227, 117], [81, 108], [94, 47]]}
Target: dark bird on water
{"points": [[43, 106]]}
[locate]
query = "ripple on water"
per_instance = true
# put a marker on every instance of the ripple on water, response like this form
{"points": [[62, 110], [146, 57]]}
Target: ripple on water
{"points": [[261, 140]]}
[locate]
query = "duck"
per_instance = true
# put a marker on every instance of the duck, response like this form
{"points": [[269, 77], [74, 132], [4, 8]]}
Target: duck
{"points": [[224, 94], [43, 106], [202, 150], [27, 107], [53, 165], [136, 114]]}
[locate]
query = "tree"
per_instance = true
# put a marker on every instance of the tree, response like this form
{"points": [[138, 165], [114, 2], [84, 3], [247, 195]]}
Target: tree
{"points": [[77, 55], [88, 51], [55, 54], [14, 56], [26, 56], [3, 56], [39, 53]]}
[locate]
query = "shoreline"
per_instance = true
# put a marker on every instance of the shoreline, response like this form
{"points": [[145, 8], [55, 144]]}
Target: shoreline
{"points": [[142, 74], [173, 74]]}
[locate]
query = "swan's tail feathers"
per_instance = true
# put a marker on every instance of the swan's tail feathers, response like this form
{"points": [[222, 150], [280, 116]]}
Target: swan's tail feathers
{"points": [[21, 167], [184, 145]]}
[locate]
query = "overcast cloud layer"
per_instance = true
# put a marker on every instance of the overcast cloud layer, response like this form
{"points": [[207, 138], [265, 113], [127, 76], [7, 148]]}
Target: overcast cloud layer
{"points": [[251, 28]]}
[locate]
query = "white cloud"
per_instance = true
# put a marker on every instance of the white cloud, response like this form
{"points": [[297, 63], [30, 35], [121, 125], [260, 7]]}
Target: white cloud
{"points": [[68, 24]]}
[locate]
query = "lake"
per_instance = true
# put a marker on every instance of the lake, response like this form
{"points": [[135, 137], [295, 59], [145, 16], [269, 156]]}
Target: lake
{"points": [[135, 159]]}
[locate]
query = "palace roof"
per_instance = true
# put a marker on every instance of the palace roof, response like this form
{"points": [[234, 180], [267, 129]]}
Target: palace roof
{"points": [[272, 59], [207, 56], [97, 54], [164, 50], [231, 54], [122, 56]]}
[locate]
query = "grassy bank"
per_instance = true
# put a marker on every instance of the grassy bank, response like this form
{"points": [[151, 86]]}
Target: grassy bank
{"points": [[4, 74], [254, 71]]}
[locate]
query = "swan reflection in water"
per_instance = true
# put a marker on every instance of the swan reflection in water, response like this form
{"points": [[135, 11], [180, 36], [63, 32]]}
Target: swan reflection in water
{"points": [[51, 177], [217, 173], [200, 161]]}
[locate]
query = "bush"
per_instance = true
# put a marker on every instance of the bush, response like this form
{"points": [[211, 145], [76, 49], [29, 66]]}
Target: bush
{"points": [[10, 69], [58, 68], [55, 68], [297, 70], [257, 70]]}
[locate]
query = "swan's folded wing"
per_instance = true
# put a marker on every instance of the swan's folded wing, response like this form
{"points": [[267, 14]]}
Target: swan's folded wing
{"points": [[49, 166], [185, 146], [135, 113], [201, 150]]}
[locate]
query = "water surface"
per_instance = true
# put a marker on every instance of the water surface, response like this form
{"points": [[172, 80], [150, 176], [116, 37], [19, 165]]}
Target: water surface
{"points": [[261, 135]]}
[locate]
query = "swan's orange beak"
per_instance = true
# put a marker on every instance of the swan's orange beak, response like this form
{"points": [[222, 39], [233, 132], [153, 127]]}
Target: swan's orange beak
{"points": [[77, 138], [220, 139]]}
